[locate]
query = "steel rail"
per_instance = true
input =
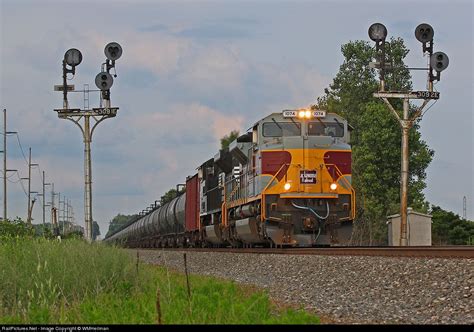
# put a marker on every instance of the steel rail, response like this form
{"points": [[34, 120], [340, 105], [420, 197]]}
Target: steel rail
{"points": [[428, 252]]}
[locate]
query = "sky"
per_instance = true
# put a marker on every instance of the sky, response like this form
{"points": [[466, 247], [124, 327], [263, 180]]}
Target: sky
{"points": [[191, 72]]}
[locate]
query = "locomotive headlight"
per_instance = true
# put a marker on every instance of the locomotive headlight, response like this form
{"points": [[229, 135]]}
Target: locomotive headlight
{"points": [[307, 114], [301, 114], [333, 186], [287, 186]]}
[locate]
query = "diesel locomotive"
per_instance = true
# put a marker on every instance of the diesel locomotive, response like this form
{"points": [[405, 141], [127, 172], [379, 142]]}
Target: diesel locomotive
{"points": [[285, 182]]}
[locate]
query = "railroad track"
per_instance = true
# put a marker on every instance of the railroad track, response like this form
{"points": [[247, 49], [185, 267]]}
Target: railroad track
{"points": [[432, 252]]}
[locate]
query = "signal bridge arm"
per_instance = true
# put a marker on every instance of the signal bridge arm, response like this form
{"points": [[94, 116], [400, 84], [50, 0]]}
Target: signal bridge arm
{"points": [[76, 114]]}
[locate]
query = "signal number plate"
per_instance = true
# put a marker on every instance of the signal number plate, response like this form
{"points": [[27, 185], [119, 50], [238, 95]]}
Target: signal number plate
{"points": [[427, 94]]}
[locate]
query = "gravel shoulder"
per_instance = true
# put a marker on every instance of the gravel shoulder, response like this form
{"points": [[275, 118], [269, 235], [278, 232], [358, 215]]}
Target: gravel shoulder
{"points": [[346, 289]]}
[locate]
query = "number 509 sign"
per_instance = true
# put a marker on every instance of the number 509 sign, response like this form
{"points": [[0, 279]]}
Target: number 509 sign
{"points": [[105, 111]]}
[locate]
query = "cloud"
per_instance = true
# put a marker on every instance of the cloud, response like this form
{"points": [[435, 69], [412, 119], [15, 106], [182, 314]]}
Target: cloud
{"points": [[215, 31], [227, 28], [154, 27]]}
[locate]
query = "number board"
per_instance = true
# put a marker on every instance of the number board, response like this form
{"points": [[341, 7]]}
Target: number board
{"points": [[307, 177], [319, 114], [290, 114], [105, 111], [427, 94]]}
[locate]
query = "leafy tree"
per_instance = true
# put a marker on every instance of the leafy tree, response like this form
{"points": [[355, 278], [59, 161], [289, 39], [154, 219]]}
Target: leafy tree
{"points": [[449, 228], [227, 139], [118, 222], [168, 196], [95, 230], [43, 230], [376, 138], [458, 235]]}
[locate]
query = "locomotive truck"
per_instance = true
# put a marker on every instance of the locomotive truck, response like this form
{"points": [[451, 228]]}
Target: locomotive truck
{"points": [[285, 182]]}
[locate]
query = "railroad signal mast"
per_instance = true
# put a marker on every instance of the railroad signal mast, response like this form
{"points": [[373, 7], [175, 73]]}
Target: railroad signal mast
{"points": [[104, 81], [438, 62]]}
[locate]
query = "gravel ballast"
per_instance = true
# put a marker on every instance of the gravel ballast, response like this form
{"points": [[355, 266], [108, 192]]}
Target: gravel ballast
{"points": [[347, 289]]}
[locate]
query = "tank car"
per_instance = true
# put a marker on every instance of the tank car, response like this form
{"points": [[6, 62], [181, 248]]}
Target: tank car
{"points": [[285, 182]]}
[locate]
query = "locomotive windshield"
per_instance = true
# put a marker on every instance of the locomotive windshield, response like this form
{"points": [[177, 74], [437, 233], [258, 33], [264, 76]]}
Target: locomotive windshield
{"points": [[334, 129], [279, 129]]}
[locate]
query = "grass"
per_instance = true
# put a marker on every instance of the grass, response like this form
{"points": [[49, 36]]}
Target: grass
{"points": [[72, 282]]}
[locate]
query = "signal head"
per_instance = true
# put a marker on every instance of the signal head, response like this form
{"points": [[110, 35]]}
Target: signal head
{"points": [[424, 33], [73, 57], [104, 81], [439, 61], [377, 32], [113, 51]]}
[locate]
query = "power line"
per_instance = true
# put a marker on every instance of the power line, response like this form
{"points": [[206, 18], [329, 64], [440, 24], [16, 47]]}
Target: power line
{"points": [[22, 186], [40, 173], [24, 157], [21, 147], [2, 177]]}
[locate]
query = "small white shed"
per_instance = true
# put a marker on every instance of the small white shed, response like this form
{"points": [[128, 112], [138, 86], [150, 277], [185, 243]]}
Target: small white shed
{"points": [[418, 229]]}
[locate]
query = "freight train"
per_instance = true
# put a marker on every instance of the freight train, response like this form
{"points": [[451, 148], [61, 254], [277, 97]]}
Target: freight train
{"points": [[285, 182]]}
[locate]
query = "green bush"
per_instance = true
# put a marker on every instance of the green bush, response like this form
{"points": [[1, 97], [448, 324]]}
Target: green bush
{"points": [[15, 228]]}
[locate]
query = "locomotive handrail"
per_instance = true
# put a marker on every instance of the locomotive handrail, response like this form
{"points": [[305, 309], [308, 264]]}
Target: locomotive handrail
{"points": [[224, 211], [340, 175], [234, 190], [265, 189], [349, 185]]}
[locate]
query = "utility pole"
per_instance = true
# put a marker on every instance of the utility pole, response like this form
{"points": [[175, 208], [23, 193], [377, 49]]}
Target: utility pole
{"points": [[104, 81], [29, 188], [59, 212], [438, 62], [54, 222], [5, 170], [52, 205], [72, 214], [67, 212], [4, 164], [64, 213], [464, 208], [30, 212], [44, 200]]}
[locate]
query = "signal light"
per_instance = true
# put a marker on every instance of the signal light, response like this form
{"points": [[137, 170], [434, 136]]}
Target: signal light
{"points": [[287, 186], [73, 57], [424, 33], [104, 81], [333, 186], [439, 61], [113, 51], [377, 32]]}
